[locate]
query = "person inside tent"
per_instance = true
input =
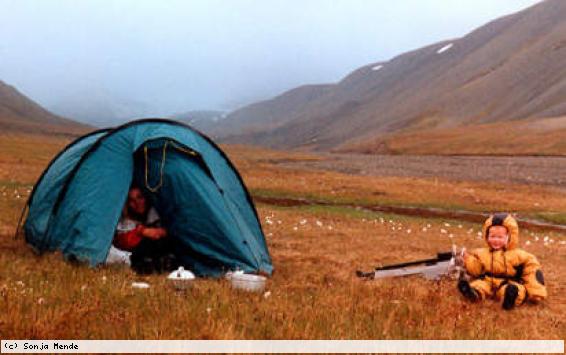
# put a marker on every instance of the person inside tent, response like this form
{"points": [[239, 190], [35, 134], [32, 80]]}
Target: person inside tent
{"points": [[139, 231]]}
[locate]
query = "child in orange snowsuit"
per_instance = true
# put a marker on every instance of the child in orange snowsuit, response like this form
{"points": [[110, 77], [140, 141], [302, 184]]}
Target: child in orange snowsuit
{"points": [[502, 270]]}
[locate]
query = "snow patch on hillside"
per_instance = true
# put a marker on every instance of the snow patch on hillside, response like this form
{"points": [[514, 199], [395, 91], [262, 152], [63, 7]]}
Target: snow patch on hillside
{"points": [[445, 48]]}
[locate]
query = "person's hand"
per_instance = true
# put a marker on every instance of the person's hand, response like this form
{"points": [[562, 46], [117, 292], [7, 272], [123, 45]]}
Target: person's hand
{"points": [[462, 258], [154, 233]]}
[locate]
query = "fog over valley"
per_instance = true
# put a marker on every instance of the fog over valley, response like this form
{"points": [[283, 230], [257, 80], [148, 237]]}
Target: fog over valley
{"points": [[106, 62]]}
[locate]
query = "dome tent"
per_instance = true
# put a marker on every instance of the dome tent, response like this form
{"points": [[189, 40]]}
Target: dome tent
{"points": [[203, 203]]}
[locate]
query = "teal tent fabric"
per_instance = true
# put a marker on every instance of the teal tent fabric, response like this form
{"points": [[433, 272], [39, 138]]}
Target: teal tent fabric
{"points": [[199, 195]]}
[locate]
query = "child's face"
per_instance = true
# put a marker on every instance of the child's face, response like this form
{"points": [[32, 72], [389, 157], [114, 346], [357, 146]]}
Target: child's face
{"points": [[136, 201], [498, 237]]}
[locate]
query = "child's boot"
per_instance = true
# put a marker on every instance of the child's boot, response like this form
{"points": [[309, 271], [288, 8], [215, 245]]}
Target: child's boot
{"points": [[510, 296], [468, 291]]}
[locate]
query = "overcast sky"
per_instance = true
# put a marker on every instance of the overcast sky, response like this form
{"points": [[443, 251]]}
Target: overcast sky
{"points": [[175, 56]]}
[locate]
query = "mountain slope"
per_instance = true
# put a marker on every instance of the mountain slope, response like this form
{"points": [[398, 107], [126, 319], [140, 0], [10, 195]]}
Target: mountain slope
{"points": [[270, 114], [511, 68], [20, 114], [203, 120]]}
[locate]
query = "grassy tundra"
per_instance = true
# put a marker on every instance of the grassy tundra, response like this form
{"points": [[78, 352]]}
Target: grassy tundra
{"points": [[316, 249]]}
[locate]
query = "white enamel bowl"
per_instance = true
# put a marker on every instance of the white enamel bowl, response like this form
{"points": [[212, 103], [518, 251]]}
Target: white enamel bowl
{"points": [[248, 282]]}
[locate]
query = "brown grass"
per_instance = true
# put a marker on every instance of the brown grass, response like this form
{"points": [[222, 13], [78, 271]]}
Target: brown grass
{"points": [[313, 293], [524, 137]]}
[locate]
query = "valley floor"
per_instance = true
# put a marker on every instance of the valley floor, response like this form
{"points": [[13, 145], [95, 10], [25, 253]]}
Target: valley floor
{"points": [[316, 249], [548, 171]]}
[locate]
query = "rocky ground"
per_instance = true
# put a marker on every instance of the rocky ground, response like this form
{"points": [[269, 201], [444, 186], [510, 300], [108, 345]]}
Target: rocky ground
{"points": [[549, 171]]}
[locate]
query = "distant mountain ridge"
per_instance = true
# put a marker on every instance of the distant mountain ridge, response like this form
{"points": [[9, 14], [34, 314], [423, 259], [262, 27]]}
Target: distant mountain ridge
{"points": [[204, 120], [100, 108], [509, 69], [18, 113]]}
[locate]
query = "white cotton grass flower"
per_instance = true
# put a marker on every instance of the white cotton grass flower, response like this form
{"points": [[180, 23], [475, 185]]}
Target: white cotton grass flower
{"points": [[443, 231], [303, 222], [41, 300], [295, 228], [20, 283], [140, 285], [408, 231], [536, 238], [330, 228], [208, 310], [424, 229], [319, 223], [528, 242], [546, 238], [562, 242], [267, 294], [450, 235], [447, 224]]}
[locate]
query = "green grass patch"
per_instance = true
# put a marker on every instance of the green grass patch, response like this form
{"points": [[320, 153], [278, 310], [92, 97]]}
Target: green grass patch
{"points": [[553, 217], [361, 213], [355, 201]]}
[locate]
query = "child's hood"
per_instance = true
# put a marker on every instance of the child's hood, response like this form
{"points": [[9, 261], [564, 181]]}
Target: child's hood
{"points": [[506, 220]]}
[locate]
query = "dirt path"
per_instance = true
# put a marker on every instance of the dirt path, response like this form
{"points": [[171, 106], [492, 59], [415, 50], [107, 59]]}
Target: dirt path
{"points": [[550, 171]]}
